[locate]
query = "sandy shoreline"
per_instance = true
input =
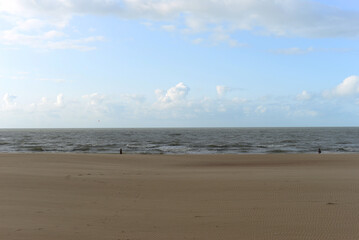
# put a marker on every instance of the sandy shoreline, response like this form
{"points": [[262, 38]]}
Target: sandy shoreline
{"points": [[85, 196]]}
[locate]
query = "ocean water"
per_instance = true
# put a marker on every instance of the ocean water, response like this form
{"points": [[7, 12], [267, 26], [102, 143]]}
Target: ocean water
{"points": [[182, 140]]}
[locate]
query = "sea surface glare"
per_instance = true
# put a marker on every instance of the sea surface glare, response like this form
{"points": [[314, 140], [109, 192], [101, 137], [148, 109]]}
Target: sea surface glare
{"points": [[182, 140]]}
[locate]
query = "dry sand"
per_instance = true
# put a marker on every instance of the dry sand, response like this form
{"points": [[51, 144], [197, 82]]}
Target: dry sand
{"points": [[81, 196]]}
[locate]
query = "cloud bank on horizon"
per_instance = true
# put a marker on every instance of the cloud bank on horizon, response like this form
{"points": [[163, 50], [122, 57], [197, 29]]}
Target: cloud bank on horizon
{"points": [[213, 63]]}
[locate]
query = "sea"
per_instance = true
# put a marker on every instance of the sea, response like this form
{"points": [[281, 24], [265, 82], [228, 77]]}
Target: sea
{"points": [[182, 140]]}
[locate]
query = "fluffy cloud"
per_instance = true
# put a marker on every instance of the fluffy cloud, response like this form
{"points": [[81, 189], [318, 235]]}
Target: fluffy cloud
{"points": [[291, 17], [140, 99], [9, 102], [261, 109], [59, 100], [41, 24], [43, 21], [222, 90], [304, 113], [281, 18], [304, 96], [171, 106], [169, 28], [94, 99], [46, 105], [173, 96], [350, 86], [58, 8], [51, 39]]}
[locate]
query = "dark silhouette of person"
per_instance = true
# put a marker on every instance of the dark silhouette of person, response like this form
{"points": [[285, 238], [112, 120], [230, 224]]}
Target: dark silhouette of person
{"points": [[319, 151]]}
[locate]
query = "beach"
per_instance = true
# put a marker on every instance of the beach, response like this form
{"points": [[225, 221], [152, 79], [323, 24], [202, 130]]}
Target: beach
{"points": [[219, 196]]}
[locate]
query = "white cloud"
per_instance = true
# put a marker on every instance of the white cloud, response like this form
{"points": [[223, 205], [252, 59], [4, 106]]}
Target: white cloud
{"points": [[34, 22], [304, 113], [147, 24], [54, 111], [94, 99], [173, 96], [94, 103], [281, 18], [48, 40], [169, 28], [46, 105], [44, 101], [261, 109], [59, 100], [41, 24], [55, 80], [77, 44], [9, 102], [350, 86], [97, 104], [198, 41], [30, 24], [135, 98], [53, 34], [221, 35], [237, 100], [172, 105], [195, 25], [222, 90], [304, 96]]}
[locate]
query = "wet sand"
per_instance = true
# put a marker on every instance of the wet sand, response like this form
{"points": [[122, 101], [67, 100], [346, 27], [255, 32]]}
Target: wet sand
{"points": [[92, 197]]}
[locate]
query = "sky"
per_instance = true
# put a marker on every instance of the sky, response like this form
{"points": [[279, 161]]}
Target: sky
{"points": [[179, 63]]}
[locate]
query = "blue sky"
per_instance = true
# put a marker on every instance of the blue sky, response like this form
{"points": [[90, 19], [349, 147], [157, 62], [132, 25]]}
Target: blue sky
{"points": [[179, 63]]}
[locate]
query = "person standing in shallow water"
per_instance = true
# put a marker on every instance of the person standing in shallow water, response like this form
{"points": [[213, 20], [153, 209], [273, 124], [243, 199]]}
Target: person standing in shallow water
{"points": [[319, 151]]}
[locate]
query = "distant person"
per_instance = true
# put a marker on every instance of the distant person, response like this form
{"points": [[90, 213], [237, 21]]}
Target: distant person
{"points": [[120, 150], [319, 151]]}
